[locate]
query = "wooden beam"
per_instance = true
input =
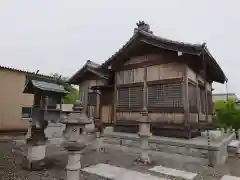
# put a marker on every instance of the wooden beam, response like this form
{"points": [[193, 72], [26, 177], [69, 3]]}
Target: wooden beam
{"points": [[115, 96], [185, 96], [205, 82], [153, 109], [145, 88], [97, 107], [86, 87], [198, 98]]}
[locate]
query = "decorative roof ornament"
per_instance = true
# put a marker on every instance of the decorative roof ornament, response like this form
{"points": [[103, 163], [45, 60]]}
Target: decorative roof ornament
{"points": [[142, 26]]}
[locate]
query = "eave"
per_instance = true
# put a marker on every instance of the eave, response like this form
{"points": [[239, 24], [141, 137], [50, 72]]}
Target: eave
{"points": [[78, 76], [44, 86]]}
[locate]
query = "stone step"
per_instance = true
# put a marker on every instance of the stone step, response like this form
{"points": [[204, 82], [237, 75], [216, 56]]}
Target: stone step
{"points": [[228, 177], [119, 173], [174, 172]]}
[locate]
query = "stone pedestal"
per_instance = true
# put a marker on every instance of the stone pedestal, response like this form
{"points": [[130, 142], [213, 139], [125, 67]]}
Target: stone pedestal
{"points": [[28, 135], [144, 134], [100, 147], [36, 153], [36, 150], [74, 165]]}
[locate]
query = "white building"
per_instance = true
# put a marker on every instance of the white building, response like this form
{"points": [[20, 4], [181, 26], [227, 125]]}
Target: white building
{"points": [[224, 96]]}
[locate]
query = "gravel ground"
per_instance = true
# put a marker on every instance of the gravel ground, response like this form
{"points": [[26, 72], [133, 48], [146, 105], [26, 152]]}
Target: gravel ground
{"points": [[11, 156]]}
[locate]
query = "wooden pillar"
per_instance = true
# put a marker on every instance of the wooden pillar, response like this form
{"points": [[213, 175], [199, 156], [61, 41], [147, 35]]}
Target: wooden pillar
{"points": [[97, 107], [80, 92], [205, 81], [115, 96], [185, 96], [198, 98], [145, 89], [85, 100]]}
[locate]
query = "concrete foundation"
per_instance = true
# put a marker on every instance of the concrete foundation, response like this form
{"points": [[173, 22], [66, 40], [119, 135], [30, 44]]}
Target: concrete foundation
{"points": [[196, 147]]}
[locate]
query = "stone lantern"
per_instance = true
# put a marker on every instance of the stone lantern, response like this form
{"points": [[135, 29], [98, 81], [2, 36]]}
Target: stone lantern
{"points": [[144, 134], [75, 139], [46, 97], [144, 125]]}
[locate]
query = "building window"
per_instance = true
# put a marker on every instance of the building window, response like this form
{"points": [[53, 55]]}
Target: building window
{"points": [[165, 95], [130, 98], [26, 112]]}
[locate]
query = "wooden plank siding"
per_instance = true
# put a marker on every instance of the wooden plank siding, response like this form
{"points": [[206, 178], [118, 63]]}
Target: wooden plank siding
{"points": [[86, 93], [164, 83], [159, 79], [196, 81]]}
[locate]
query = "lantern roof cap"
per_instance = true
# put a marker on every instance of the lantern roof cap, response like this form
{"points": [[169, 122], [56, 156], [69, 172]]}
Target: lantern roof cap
{"points": [[77, 116]]}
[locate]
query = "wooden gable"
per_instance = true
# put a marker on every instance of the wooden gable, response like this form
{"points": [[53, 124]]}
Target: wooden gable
{"points": [[145, 42]]}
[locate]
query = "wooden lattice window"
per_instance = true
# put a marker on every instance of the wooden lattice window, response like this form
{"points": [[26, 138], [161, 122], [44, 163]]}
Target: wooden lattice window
{"points": [[130, 97], [192, 98], [165, 95]]}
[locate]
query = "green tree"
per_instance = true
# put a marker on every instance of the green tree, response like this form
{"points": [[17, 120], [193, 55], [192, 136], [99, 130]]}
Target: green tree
{"points": [[73, 94], [227, 115]]}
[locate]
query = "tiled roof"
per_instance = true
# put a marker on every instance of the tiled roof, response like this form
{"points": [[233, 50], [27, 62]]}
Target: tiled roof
{"points": [[44, 86], [142, 34], [91, 67], [25, 72]]}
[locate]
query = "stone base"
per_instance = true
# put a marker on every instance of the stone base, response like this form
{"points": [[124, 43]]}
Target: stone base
{"points": [[157, 129], [36, 165], [196, 147], [35, 157]]}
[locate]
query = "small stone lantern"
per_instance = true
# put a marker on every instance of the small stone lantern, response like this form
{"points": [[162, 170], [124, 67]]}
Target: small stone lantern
{"points": [[144, 125], [75, 140]]}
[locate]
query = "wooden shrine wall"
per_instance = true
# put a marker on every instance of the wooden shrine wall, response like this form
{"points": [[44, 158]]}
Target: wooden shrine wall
{"points": [[106, 105], [197, 85], [85, 90], [162, 78]]}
